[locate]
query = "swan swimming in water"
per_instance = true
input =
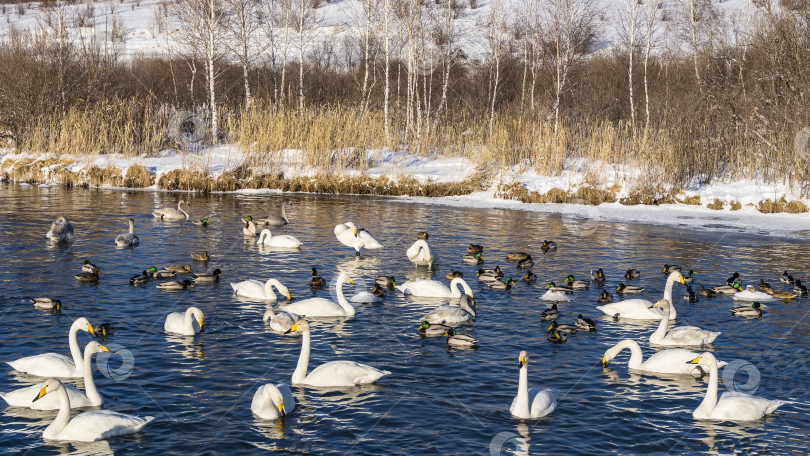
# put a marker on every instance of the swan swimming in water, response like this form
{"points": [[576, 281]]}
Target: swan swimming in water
{"points": [[272, 401], [61, 230], [54, 364], [279, 240], [183, 323], [453, 314], [419, 253], [641, 309], [274, 219], [256, 290], [435, 289], [673, 361], [128, 239], [350, 236], [322, 307], [534, 402], [280, 321], [170, 213], [679, 335]]}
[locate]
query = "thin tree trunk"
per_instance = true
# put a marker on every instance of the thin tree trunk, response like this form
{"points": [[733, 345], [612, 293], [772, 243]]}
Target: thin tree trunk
{"points": [[387, 67]]}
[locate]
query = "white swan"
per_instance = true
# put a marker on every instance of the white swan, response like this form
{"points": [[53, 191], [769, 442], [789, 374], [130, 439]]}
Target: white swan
{"points": [[453, 314], [531, 403], [184, 323], [750, 294], [681, 335], [24, 397], [280, 240], [333, 373], [641, 309], [322, 307], [128, 239], [170, 213], [732, 406], [674, 361], [272, 401], [256, 290], [61, 230], [435, 289], [350, 236], [280, 321], [54, 364], [88, 426], [419, 253]]}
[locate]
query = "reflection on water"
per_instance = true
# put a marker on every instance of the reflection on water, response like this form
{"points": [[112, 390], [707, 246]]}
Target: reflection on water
{"points": [[436, 400]]}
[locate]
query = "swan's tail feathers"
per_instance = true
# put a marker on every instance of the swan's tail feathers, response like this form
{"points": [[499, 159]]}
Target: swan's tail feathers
{"points": [[146, 420], [233, 285]]}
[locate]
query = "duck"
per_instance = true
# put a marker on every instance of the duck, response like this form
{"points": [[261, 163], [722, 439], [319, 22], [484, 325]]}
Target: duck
{"points": [[516, 256], [248, 227], [322, 307], [104, 330], [280, 321], [557, 337], [61, 230], [280, 240], [453, 274], [423, 235], [574, 284], [257, 290], [598, 275], [529, 278], [566, 329], [87, 266], [188, 323], [316, 281], [531, 403], [179, 269], [728, 289], [786, 278], [687, 278], [201, 222], [681, 335], [672, 361], [754, 310], [271, 402], [475, 248], [55, 364], [175, 285], [207, 277], [800, 289], [90, 397], [89, 426], [548, 246], [786, 295], [200, 256], [275, 219], [456, 340], [435, 289], [128, 239], [435, 329], [641, 309], [419, 253], [734, 278], [707, 292], [764, 286], [631, 274], [453, 314], [170, 213], [87, 277], [489, 274], [670, 268], [525, 263], [690, 295], [551, 313], [750, 294], [732, 405], [332, 373], [350, 236], [473, 259], [378, 291], [47, 304], [623, 289], [501, 285], [143, 277], [386, 281], [585, 324], [604, 297], [163, 274]]}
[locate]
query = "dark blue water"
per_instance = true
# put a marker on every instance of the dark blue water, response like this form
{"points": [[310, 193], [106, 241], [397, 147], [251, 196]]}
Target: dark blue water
{"points": [[436, 401]]}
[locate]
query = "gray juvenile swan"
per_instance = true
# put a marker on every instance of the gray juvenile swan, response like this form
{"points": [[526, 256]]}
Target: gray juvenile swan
{"points": [[275, 220], [128, 239], [170, 213], [61, 230]]}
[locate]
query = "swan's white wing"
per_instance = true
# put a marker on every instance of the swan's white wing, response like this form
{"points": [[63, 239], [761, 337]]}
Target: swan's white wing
{"points": [[24, 397], [343, 373], [283, 321], [557, 296], [752, 296], [263, 406], [673, 361], [283, 240], [368, 240], [345, 234], [249, 289], [176, 324], [364, 297], [315, 307], [448, 315], [688, 335], [736, 406], [425, 288], [633, 309], [543, 401], [127, 239], [100, 425], [47, 365]]}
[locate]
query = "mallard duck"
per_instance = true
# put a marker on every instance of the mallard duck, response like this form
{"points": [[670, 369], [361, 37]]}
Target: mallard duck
{"points": [[553, 287], [800, 289], [422, 235], [529, 278], [550, 313], [585, 324], [764, 286], [525, 263], [687, 278], [315, 281], [557, 337], [566, 329], [548, 245], [175, 285], [670, 268], [786, 278], [734, 278], [453, 274], [47, 304], [206, 277], [138, 279], [378, 291], [489, 275], [386, 281], [728, 289], [689, 295], [754, 310], [163, 274], [604, 297], [87, 266], [516, 256], [474, 248], [631, 274], [455, 339], [201, 222], [783, 294], [473, 259], [248, 227], [104, 330], [197, 256], [598, 275], [574, 284], [184, 269], [87, 277], [707, 292], [432, 329], [623, 289], [501, 285]]}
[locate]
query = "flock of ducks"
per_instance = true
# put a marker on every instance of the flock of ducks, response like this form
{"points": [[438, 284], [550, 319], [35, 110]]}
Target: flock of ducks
{"points": [[272, 401]]}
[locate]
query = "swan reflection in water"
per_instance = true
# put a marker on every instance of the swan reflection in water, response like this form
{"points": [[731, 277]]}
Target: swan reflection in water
{"points": [[191, 349]]}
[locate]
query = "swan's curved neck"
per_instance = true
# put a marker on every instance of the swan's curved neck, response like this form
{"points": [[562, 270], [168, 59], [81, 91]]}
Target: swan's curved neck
{"points": [[470, 309], [522, 399], [181, 209], [457, 285], [131, 227], [284, 213], [348, 308], [636, 357], [189, 322], [668, 296], [710, 399], [663, 327], [268, 315], [62, 417], [75, 351], [90, 385], [303, 361], [268, 289], [264, 235]]}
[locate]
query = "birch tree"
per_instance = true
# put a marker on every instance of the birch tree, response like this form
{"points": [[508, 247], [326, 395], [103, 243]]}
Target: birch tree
{"points": [[244, 25]]}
